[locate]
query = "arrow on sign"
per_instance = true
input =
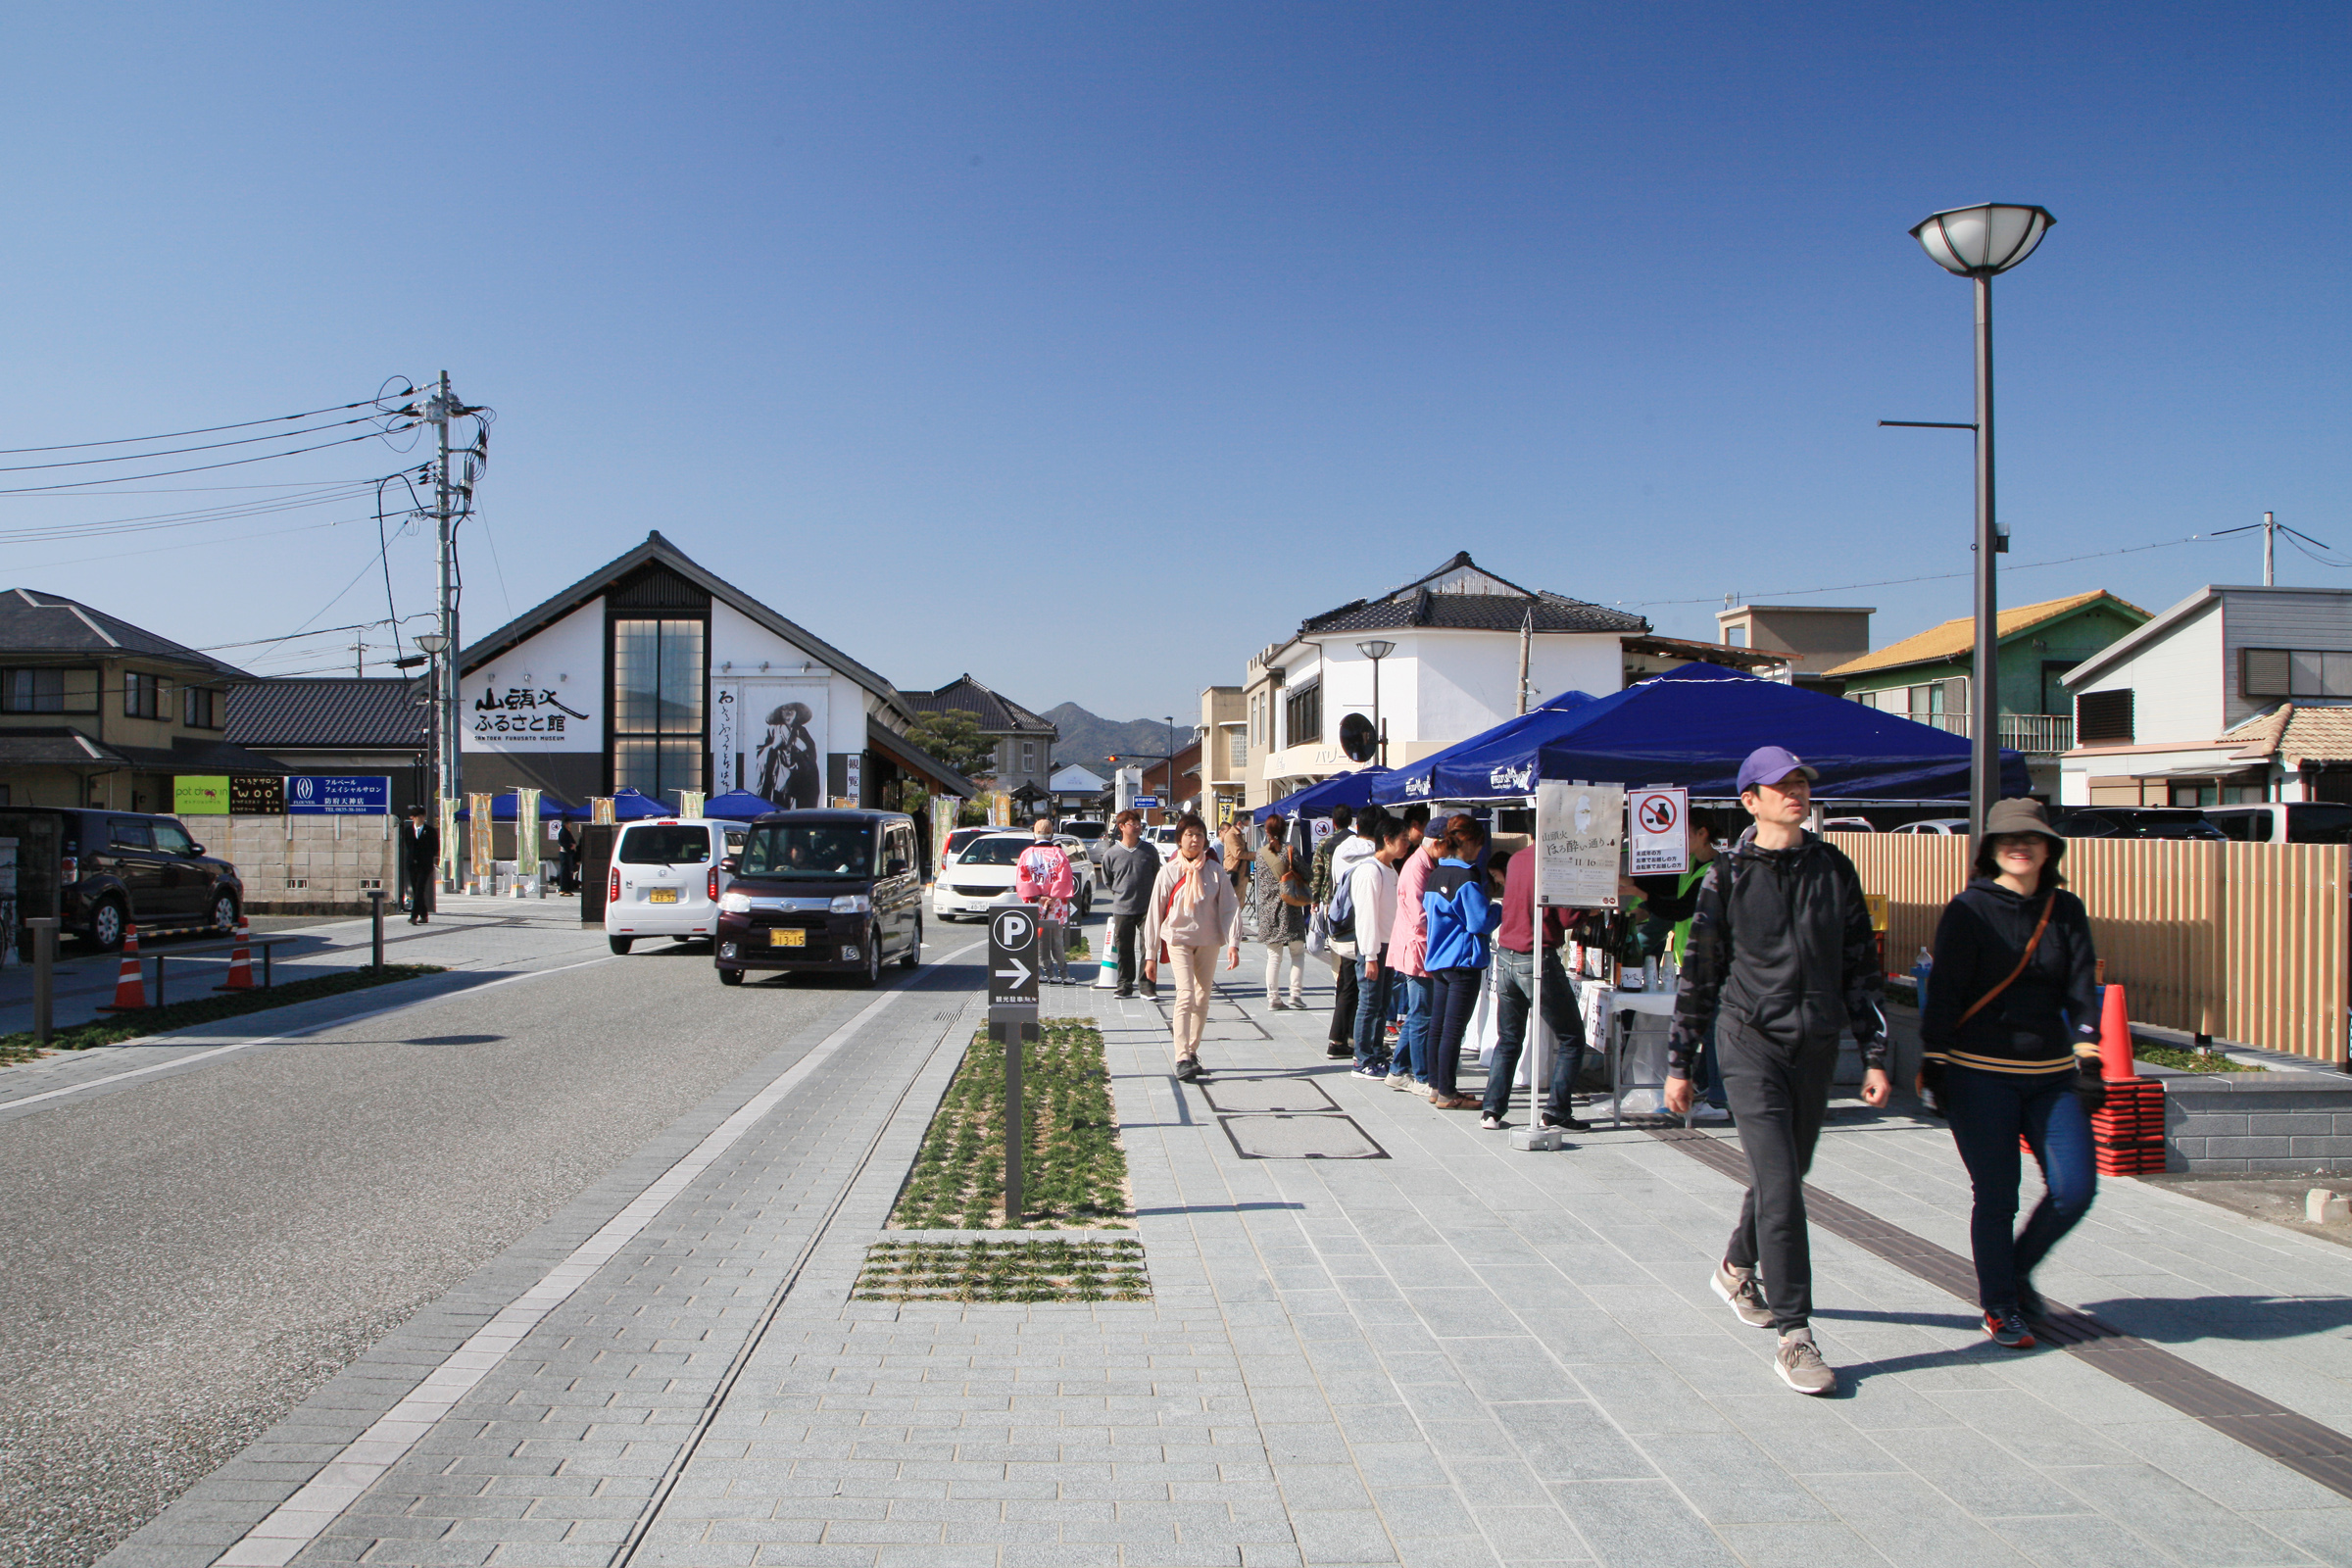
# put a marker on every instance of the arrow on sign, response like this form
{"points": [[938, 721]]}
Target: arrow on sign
{"points": [[1018, 975]]}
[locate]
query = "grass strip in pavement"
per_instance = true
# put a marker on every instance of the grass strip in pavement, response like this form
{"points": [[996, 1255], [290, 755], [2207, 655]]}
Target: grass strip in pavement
{"points": [[1041, 1269], [2190, 1060], [118, 1026], [1073, 1168]]}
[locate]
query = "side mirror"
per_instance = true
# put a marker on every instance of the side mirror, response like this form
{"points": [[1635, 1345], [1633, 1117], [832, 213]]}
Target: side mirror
{"points": [[895, 869], [195, 849], [731, 864]]}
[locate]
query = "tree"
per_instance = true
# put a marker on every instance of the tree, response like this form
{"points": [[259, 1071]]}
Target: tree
{"points": [[952, 735]]}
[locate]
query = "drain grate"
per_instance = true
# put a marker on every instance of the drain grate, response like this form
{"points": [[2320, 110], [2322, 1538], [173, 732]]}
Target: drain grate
{"points": [[1287, 1137], [1261, 1095]]}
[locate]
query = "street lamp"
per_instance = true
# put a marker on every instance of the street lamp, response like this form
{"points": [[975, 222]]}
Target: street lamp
{"points": [[1375, 650], [1977, 242]]}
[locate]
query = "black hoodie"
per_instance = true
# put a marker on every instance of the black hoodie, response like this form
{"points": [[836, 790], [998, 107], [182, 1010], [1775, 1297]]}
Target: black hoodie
{"points": [[2048, 1015]]}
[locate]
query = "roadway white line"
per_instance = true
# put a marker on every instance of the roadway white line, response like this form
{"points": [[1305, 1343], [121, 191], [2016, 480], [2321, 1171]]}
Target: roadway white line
{"points": [[299, 1520], [293, 1033]]}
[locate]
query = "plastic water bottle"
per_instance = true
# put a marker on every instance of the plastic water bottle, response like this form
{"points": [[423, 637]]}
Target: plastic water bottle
{"points": [[1920, 966]]}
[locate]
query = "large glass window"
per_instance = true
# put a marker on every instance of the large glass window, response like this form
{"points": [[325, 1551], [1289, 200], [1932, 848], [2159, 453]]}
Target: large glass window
{"points": [[1302, 715], [657, 706]]}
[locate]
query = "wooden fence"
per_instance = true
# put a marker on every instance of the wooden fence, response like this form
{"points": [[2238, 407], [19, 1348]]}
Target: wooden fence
{"points": [[2250, 942]]}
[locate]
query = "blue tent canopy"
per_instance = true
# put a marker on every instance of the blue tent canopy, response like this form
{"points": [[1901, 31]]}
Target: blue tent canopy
{"points": [[1691, 727], [738, 805], [502, 809], [1351, 789], [633, 805], [1412, 781]]}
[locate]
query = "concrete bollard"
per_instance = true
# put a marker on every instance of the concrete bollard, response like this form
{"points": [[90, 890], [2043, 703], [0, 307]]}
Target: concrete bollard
{"points": [[2322, 1206]]}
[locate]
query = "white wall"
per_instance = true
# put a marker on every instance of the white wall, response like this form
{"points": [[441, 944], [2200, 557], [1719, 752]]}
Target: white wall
{"points": [[2179, 680], [566, 659]]}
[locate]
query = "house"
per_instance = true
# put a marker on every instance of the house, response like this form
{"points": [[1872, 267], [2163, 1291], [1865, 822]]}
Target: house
{"points": [[96, 711], [341, 724], [1224, 740], [1815, 638], [2235, 694], [1926, 676], [1449, 643], [1077, 790], [1025, 741], [653, 673]]}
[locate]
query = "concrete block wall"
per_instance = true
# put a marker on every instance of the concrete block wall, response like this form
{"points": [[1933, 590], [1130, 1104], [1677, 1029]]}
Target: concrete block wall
{"points": [[2225, 1123], [306, 865]]}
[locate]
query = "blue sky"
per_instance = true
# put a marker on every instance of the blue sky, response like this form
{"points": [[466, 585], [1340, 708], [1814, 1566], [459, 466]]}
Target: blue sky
{"points": [[1090, 348]]}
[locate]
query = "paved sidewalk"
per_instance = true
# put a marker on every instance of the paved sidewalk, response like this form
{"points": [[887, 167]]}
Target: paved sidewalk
{"points": [[1455, 1354]]}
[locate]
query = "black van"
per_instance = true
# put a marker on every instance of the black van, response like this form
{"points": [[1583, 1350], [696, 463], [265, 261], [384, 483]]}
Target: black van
{"points": [[823, 893]]}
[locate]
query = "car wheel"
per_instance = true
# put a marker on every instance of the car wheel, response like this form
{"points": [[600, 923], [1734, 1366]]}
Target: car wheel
{"points": [[105, 925], [871, 976], [620, 943], [224, 912], [730, 977], [914, 956]]}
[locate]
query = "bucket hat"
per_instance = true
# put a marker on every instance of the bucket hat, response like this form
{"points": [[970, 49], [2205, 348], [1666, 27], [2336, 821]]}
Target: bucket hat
{"points": [[2019, 816]]}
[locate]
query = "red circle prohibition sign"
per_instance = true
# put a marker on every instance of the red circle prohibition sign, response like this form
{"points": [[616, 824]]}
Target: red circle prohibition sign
{"points": [[1657, 814]]}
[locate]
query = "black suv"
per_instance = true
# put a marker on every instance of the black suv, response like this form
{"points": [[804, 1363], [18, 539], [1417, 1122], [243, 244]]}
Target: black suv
{"points": [[2135, 822], [114, 867]]}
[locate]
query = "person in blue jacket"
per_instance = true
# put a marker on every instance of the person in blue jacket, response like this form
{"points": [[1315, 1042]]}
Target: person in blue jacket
{"points": [[1461, 917]]}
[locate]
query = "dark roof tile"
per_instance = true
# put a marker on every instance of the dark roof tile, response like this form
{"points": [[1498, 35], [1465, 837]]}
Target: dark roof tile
{"points": [[51, 624], [347, 710]]}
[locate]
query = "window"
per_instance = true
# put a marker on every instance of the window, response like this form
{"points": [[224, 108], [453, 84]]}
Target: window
{"points": [[142, 695], [657, 705], [2103, 719], [812, 850], [2268, 673], [34, 691], [1028, 757], [202, 708], [663, 844], [126, 833], [172, 839], [1736, 636], [1237, 747], [1302, 715]]}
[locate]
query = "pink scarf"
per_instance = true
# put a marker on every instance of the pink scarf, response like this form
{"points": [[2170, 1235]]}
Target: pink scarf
{"points": [[1191, 884]]}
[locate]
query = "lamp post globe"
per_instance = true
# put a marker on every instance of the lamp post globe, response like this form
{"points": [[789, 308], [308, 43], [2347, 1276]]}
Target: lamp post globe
{"points": [[1377, 649], [1979, 243]]}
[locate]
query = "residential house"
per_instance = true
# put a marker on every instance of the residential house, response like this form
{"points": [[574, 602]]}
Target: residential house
{"points": [[341, 724], [1077, 791], [1224, 740], [655, 674], [1926, 676], [1024, 740], [1815, 638], [96, 711], [1449, 641], [2235, 694]]}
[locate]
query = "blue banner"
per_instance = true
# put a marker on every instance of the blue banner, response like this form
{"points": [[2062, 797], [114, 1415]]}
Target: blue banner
{"points": [[339, 794]]}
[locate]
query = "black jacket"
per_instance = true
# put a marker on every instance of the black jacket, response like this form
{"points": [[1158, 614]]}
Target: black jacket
{"points": [[420, 847], [1781, 946], [2048, 1015]]}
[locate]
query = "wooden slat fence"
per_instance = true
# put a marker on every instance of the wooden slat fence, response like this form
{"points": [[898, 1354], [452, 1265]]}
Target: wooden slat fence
{"points": [[2249, 942]]}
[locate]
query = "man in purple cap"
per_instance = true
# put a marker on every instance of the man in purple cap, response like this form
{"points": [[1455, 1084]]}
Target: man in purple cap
{"points": [[1781, 965]]}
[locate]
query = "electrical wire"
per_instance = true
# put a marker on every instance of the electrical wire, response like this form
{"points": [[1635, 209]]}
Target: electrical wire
{"points": [[1933, 577], [204, 446], [209, 429], [42, 532], [202, 468]]}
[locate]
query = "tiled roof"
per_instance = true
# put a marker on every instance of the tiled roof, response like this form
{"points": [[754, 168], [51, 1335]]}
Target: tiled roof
{"points": [[40, 623], [995, 712], [1958, 636], [1472, 612], [339, 711], [2296, 733], [56, 745]]}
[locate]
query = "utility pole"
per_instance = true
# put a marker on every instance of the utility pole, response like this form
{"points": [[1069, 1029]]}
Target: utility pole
{"points": [[437, 411], [359, 653], [2270, 549], [1527, 638]]}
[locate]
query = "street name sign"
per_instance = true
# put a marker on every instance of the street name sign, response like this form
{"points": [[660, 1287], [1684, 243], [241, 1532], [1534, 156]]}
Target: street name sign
{"points": [[1660, 842], [1146, 803]]}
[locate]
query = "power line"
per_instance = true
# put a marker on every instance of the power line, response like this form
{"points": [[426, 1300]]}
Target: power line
{"points": [[203, 467], [1933, 577], [209, 429], [205, 446]]}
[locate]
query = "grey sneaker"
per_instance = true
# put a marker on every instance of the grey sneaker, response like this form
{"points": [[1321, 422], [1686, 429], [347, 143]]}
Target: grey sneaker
{"points": [[1737, 1287], [1801, 1365], [1401, 1080]]}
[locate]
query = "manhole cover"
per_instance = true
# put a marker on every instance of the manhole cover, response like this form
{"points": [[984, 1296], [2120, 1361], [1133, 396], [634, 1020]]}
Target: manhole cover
{"points": [[1267, 1093], [1279, 1137]]}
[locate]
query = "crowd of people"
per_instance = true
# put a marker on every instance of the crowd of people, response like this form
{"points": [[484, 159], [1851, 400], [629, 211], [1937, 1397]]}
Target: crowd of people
{"points": [[1416, 917]]}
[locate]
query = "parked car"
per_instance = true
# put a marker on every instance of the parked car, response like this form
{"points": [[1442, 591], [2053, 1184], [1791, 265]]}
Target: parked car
{"points": [[982, 877], [2133, 822], [2285, 823], [120, 868], [666, 878], [1848, 825], [1163, 839], [1097, 839], [958, 838], [821, 892], [1936, 824]]}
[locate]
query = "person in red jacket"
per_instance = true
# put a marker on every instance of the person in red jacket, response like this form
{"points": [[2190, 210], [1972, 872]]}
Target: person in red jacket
{"points": [[1042, 878]]}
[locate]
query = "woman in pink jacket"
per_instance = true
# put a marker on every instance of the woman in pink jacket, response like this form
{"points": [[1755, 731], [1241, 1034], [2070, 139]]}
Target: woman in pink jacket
{"points": [[1408, 948]]}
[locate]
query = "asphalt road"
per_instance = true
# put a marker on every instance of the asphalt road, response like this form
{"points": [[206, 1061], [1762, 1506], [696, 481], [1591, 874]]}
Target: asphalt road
{"points": [[190, 1255]]}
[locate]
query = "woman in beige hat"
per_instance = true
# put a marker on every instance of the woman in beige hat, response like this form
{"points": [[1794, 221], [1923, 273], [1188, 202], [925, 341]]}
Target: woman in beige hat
{"points": [[2012, 1028]]}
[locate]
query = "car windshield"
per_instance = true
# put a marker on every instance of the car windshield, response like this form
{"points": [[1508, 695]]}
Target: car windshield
{"points": [[1083, 830], [810, 850], [665, 845], [993, 851]]}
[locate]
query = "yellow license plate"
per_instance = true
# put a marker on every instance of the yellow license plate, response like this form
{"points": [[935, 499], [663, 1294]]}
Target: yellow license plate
{"points": [[663, 896], [788, 937]]}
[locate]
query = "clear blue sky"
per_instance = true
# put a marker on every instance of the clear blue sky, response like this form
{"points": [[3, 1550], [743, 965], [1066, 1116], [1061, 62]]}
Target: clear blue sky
{"points": [[1089, 348]]}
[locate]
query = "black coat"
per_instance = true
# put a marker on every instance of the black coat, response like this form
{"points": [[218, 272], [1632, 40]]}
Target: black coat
{"points": [[420, 848], [2048, 1014]]}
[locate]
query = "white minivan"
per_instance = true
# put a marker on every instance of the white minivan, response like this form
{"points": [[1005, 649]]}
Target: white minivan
{"points": [[666, 879]]}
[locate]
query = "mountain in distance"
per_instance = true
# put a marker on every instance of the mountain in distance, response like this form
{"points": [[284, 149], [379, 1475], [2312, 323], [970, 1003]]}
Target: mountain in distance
{"points": [[1091, 741]]}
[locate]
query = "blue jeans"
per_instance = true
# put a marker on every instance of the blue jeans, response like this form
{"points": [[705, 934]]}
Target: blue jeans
{"points": [[1456, 999], [1372, 1017], [1413, 1036], [1988, 1111], [1514, 981]]}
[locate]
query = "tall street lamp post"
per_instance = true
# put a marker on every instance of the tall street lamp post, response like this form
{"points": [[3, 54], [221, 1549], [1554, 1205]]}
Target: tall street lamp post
{"points": [[1978, 242], [1375, 650]]}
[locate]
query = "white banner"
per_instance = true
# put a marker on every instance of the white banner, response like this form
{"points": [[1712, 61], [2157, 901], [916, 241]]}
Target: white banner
{"points": [[1580, 837]]}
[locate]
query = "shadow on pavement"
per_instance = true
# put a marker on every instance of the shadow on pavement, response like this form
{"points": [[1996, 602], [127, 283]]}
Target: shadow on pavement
{"points": [[2183, 1320]]}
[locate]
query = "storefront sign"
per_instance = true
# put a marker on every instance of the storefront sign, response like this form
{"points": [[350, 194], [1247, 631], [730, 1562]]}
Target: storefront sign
{"points": [[256, 793], [200, 794], [1580, 837], [1660, 845], [339, 794]]}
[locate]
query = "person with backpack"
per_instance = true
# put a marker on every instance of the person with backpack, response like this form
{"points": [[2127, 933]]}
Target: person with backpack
{"points": [[1781, 963], [1343, 950], [1461, 917], [2012, 1035], [1281, 913]]}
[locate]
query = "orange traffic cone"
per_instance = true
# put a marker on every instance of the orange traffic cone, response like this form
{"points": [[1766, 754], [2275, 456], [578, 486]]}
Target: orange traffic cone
{"points": [[240, 962], [130, 984], [2115, 1038]]}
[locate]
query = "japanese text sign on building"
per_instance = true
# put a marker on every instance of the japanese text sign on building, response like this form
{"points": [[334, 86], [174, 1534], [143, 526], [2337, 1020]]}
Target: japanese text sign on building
{"points": [[518, 713], [1580, 836], [1660, 844], [346, 795], [200, 794]]}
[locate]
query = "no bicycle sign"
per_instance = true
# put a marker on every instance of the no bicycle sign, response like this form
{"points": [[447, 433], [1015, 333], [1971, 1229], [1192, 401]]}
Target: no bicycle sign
{"points": [[1660, 843]]}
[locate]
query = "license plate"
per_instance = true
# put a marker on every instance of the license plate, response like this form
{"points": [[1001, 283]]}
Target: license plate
{"points": [[663, 896], [788, 937]]}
